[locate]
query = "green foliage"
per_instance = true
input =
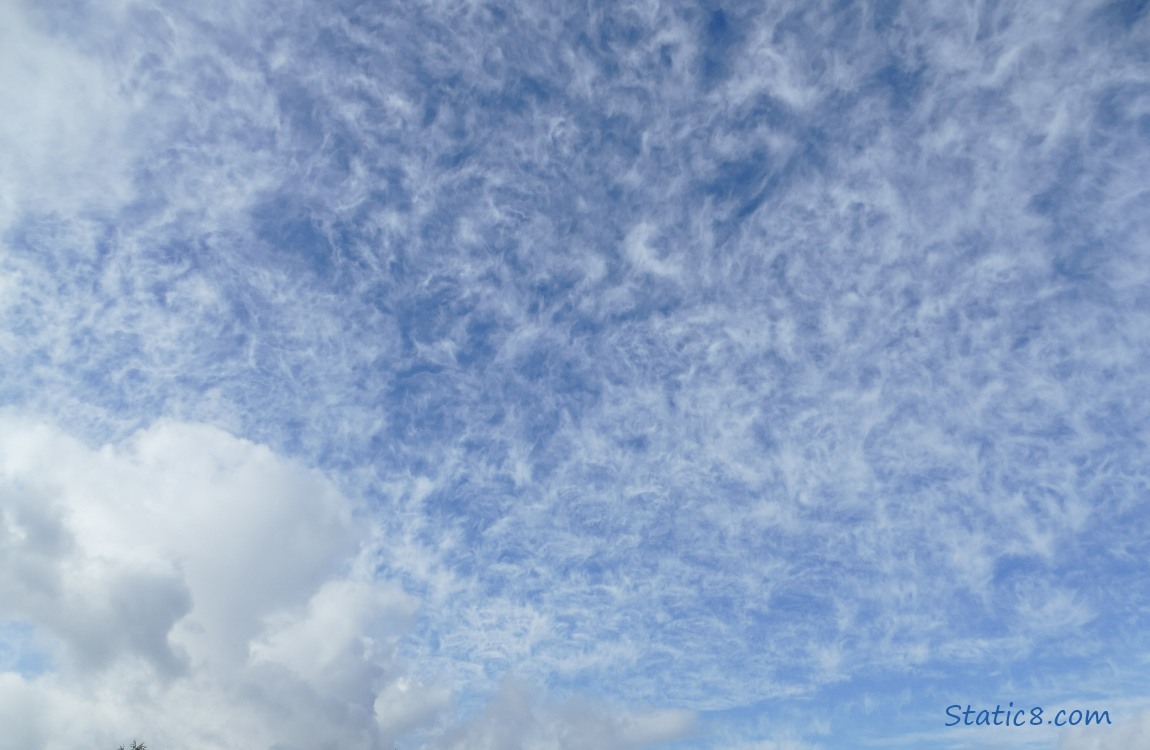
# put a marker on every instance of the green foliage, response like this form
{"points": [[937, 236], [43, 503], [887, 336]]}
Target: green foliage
{"points": [[135, 746]]}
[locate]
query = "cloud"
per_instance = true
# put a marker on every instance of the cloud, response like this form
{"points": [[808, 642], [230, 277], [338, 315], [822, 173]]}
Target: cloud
{"points": [[406, 705], [514, 718], [195, 588], [63, 122]]}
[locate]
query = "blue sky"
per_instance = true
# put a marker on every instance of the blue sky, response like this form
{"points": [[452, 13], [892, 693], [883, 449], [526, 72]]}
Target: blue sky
{"points": [[447, 374]]}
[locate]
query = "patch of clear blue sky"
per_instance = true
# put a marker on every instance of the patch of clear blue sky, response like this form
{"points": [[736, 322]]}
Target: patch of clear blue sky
{"points": [[20, 651]]}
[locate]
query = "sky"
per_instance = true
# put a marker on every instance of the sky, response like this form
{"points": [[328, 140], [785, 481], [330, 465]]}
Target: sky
{"points": [[581, 375]]}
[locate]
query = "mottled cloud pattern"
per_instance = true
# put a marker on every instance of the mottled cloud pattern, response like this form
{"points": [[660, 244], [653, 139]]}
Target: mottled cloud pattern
{"points": [[549, 375]]}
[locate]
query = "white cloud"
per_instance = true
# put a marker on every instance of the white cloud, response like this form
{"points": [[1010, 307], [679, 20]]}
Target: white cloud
{"points": [[644, 257], [406, 705], [63, 123], [514, 719], [190, 555], [335, 640]]}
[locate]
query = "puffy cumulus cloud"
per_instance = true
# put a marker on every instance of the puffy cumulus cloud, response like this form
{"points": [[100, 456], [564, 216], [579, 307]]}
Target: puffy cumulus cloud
{"points": [[192, 587], [407, 705], [514, 719]]}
